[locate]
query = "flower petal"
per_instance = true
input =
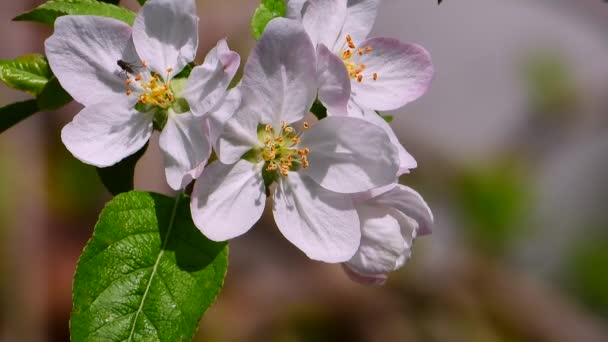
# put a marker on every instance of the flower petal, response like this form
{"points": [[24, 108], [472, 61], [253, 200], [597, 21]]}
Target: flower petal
{"points": [[322, 223], [404, 73], [239, 135], [165, 34], [218, 117], [334, 83], [103, 134], [406, 161], [410, 203], [227, 200], [208, 82], [186, 149], [360, 18], [294, 9], [323, 20], [382, 242], [279, 82], [349, 155], [83, 53]]}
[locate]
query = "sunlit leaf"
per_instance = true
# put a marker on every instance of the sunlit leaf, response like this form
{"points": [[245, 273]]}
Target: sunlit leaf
{"points": [[266, 11], [51, 10], [28, 73], [147, 274]]}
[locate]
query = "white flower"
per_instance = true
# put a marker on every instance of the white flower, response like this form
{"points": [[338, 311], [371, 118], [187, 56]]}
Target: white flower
{"points": [[125, 79], [378, 73], [391, 218], [310, 172]]}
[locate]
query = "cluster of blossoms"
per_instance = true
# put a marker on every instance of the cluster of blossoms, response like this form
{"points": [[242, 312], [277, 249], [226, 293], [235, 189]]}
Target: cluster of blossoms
{"points": [[333, 181]]}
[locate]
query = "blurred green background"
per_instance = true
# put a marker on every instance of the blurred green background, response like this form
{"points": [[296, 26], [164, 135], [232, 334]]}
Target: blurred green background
{"points": [[512, 146]]}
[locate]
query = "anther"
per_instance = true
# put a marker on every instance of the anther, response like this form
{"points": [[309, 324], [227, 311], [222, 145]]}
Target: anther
{"points": [[288, 129], [128, 92], [138, 77], [169, 70], [368, 49], [268, 128], [375, 76], [306, 125], [360, 52], [144, 63], [283, 124], [359, 78]]}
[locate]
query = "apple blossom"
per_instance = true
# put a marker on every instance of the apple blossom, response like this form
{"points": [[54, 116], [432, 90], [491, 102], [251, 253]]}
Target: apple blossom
{"points": [[309, 172], [391, 218], [380, 73], [125, 78]]}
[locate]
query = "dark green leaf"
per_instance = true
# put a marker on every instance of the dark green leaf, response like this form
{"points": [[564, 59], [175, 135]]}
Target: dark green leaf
{"points": [[51, 10], [141, 2], [28, 73], [147, 274], [10, 115], [119, 178], [113, 2], [53, 96], [318, 110], [266, 11]]}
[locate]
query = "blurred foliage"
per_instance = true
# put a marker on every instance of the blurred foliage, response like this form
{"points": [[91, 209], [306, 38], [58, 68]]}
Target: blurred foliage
{"points": [[492, 203], [549, 84], [74, 187], [586, 275]]}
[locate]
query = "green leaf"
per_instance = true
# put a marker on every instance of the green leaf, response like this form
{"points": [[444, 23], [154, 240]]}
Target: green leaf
{"points": [[28, 73], [141, 2], [113, 2], [318, 110], [12, 114], [51, 10], [266, 11], [119, 178], [53, 96], [147, 274]]}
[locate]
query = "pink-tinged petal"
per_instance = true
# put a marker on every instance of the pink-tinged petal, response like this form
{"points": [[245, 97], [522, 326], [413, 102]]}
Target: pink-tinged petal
{"points": [[228, 200], [239, 135], [323, 20], [218, 117], [334, 83], [323, 224], [165, 34], [383, 246], [360, 18], [83, 53], [103, 134], [406, 161], [349, 155], [294, 9], [279, 82], [186, 149], [410, 203], [403, 71], [377, 279], [208, 82]]}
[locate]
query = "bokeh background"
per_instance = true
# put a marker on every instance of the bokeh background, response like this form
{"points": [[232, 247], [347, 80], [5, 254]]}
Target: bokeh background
{"points": [[512, 145]]}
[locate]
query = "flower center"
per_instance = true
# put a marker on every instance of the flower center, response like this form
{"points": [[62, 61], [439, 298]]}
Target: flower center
{"points": [[355, 70], [151, 89], [281, 152]]}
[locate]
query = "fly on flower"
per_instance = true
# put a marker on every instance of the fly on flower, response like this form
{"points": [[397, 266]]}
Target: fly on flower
{"points": [[120, 114], [127, 67]]}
